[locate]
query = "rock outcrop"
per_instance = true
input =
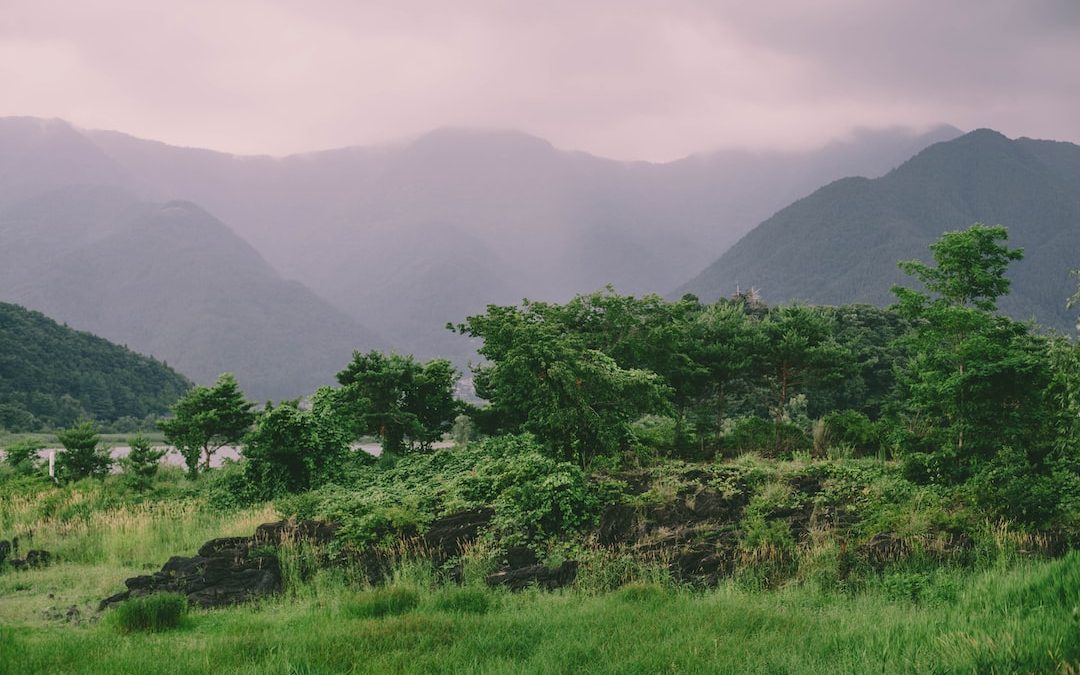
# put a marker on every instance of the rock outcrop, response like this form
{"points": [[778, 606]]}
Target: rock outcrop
{"points": [[229, 570]]}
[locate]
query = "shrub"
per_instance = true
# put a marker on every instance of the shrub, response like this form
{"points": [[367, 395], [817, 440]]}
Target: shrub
{"points": [[382, 602], [82, 455], [23, 457], [852, 428], [141, 464], [151, 613], [770, 438], [469, 600]]}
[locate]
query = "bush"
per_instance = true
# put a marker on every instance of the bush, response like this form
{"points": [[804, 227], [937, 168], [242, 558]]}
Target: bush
{"points": [[82, 456], [23, 457], [464, 600], [151, 613], [768, 437], [142, 462], [382, 602], [852, 428]]}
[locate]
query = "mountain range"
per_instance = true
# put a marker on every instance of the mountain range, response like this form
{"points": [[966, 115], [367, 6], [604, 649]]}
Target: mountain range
{"points": [[841, 243], [185, 253]]}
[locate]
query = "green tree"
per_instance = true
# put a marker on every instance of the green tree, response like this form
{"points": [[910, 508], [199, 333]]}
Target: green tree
{"points": [[974, 381], [799, 351], [83, 455], [406, 403], [292, 450], [24, 457], [142, 461], [544, 378], [206, 419]]}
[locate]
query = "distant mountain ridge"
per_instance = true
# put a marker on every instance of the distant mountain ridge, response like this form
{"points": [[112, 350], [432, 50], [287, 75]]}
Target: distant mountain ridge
{"points": [[172, 281], [406, 237], [841, 243], [51, 375]]}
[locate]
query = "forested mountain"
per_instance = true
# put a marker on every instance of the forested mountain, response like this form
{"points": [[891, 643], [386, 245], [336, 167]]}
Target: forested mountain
{"points": [[172, 281], [51, 375], [406, 237], [841, 244]]}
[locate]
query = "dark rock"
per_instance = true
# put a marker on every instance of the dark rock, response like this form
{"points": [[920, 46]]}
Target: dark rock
{"points": [[225, 572], [34, 558], [535, 575], [234, 546], [314, 532], [618, 524], [518, 557], [884, 548], [447, 536]]}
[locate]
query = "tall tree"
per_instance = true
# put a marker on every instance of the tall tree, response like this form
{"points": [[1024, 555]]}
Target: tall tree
{"points": [[83, 454], [406, 403], [207, 419], [973, 381], [544, 377]]}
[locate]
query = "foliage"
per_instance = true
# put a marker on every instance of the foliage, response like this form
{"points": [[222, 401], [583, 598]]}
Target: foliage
{"points": [[382, 602], [142, 461], [772, 438], [545, 379], [293, 450], [404, 402], [23, 457], [51, 376], [974, 381], [150, 613], [852, 428], [83, 456], [206, 419]]}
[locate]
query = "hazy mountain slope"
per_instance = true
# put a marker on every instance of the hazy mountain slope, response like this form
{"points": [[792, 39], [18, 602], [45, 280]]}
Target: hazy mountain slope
{"points": [[174, 282], [38, 155], [552, 223], [841, 243], [50, 375]]}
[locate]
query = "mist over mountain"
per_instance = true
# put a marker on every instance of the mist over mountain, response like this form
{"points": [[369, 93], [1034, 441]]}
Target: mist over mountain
{"points": [[403, 237], [841, 243], [172, 281]]}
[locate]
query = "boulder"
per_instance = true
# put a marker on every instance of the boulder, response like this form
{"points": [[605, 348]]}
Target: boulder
{"points": [[227, 570], [548, 578]]}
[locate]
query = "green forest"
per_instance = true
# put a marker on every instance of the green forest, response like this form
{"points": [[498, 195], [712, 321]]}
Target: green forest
{"points": [[649, 485], [52, 376]]}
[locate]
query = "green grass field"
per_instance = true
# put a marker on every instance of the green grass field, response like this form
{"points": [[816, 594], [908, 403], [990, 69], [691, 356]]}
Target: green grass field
{"points": [[1019, 616]]}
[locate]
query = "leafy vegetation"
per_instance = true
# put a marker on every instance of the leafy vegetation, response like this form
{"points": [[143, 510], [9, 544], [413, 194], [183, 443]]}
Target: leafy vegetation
{"points": [[52, 376], [901, 486], [206, 419], [152, 613]]}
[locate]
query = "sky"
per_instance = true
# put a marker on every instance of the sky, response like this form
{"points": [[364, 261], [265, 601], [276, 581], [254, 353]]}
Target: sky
{"points": [[617, 78]]}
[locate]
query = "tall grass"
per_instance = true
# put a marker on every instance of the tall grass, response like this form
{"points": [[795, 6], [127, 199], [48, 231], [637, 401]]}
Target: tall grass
{"points": [[1019, 620]]}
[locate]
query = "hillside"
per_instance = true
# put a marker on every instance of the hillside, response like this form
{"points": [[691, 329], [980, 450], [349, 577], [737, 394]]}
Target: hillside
{"points": [[841, 244], [389, 233], [50, 375], [172, 281], [404, 237]]}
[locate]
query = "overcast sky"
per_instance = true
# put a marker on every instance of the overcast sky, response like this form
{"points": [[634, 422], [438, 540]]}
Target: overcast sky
{"points": [[619, 78]]}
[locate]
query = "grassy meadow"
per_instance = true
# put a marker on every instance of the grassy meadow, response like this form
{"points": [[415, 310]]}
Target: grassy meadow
{"points": [[1010, 612]]}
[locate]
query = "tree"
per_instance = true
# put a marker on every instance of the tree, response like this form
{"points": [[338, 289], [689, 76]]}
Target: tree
{"points": [[23, 457], [799, 349], [404, 402], [973, 381], [142, 461], [83, 456], [544, 378], [207, 419], [293, 450]]}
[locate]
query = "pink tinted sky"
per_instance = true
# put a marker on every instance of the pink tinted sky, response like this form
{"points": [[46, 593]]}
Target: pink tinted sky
{"points": [[620, 78]]}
